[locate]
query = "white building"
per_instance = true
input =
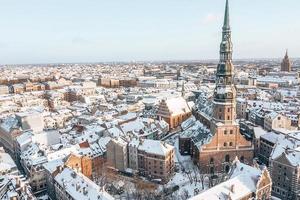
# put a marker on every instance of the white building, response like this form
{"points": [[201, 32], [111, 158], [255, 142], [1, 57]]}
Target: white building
{"points": [[32, 120]]}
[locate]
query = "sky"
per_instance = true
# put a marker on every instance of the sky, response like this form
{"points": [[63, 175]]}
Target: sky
{"points": [[52, 31]]}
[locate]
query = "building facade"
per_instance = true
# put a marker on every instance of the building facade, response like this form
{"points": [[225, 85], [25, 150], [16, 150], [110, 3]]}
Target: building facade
{"points": [[156, 160], [275, 121], [117, 154], [285, 171], [174, 111], [284, 166]]}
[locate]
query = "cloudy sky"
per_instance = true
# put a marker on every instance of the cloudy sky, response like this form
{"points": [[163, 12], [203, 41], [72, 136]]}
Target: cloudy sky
{"points": [[47, 31]]}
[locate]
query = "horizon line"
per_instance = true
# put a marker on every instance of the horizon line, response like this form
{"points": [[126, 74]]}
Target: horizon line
{"points": [[144, 61]]}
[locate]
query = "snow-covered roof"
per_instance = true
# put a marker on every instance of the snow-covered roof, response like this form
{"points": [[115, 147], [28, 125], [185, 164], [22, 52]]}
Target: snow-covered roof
{"points": [[259, 131], [272, 137], [177, 106], [115, 132], [80, 187], [289, 145], [9, 123], [52, 165], [188, 122], [156, 147], [24, 138], [242, 182], [103, 142], [6, 163]]}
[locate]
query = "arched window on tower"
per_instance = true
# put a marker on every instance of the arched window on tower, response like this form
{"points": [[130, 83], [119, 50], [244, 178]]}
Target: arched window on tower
{"points": [[229, 80], [221, 80]]}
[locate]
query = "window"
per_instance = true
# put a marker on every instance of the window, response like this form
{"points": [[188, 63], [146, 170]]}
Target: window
{"points": [[230, 144], [212, 170], [242, 159], [227, 168], [228, 109], [211, 160], [220, 109], [221, 80], [231, 131], [225, 144], [225, 132], [227, 158]]}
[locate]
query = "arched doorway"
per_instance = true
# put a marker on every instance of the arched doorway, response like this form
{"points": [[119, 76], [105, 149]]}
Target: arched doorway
{"points": [[227, 168]]}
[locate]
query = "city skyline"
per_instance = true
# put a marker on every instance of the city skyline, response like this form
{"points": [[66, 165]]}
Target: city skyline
{"points": [[180, 128], [98, 31]]}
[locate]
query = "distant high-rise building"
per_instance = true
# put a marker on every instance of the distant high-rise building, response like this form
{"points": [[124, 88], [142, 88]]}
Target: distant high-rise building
{"points": [[286, 65]]}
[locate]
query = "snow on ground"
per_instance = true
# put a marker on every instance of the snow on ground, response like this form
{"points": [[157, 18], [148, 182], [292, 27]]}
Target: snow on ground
{"points": [[187, 177], [186, 183]]}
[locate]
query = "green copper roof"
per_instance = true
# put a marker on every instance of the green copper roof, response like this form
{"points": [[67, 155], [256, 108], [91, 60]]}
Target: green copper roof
{"points": [[226, 17]]}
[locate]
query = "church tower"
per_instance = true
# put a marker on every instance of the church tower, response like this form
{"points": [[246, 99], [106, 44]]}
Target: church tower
{"points": [[225, 93], [286, 65], [226, 143]]}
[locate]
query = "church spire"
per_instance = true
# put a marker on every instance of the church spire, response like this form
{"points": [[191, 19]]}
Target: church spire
{"points": [[182, 90], [224, 93], [226, 44], [226, 24]]}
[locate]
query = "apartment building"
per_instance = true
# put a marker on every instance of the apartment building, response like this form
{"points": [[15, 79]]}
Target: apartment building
{"points": [[156, 160]]}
